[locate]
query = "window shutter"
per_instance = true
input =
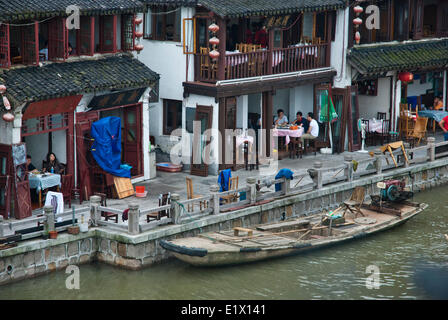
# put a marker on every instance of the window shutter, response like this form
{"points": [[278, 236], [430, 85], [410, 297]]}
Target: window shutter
{"points": [[57, 40], [30, 45], [128, 32], [86, 36], [108, 34], [5, 60]]}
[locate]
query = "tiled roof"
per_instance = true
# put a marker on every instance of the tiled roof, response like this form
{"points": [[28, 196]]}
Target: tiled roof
{"points": [[240, 8], [70, 78], [412, 55], [11, 10]]}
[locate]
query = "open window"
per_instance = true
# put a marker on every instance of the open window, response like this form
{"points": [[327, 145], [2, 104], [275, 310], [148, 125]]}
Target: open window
{"points": [[172, 116], [23, 44], [163, 23], [57, 39]]}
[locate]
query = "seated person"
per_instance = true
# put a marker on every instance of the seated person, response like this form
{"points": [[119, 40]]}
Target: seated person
{"points": [[31, 167], [281, 118], [301, 121], [444, 125], [313, 130], [53, 164], [44, 50], [438, 103]]}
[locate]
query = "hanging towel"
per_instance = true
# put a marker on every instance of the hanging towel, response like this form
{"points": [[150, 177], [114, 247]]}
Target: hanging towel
{"points": [[55, 200], [224, 179], [287, 173]]}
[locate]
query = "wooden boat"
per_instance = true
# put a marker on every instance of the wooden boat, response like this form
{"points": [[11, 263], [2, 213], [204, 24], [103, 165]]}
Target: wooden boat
{"points": [[243, 245]]}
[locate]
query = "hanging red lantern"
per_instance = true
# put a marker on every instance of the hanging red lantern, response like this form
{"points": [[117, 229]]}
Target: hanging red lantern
{"points": [[214, 41], [138, 21], [138, 47], [214, 54], [357, 37], [8, 117], [405, 77], [358, 9], [6, 103], [138, 34], [213, 27], [357, 21], [2, 89]]}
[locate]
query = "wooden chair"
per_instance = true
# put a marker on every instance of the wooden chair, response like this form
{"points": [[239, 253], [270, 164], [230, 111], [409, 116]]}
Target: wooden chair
{"points": [[242, 47], [369, 135], [191, 195], [233, 185], [207, 69], [164, 199], [317, 40], [355, 202], [381, 116], [384, 135], [103, 203], [419, 131], [66, 188]]}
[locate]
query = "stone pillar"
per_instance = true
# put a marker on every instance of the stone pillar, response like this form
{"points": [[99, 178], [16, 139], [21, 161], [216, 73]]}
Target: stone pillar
{"points": [[316, 174], [175, 208], [407, 147], [379, 161], [348, 158], [133, 219], [95, 213], [49, 219], [214, 189], [432, 148], [252, 193], [286, 186]]}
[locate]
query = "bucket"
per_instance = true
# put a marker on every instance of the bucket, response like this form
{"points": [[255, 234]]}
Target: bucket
{"points": [[84, 227], [140, 189]]}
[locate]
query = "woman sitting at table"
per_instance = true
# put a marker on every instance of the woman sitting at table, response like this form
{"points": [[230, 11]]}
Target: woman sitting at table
{"points": [[53, 164]]}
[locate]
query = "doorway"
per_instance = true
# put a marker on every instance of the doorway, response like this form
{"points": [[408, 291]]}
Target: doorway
{"points": [[201, 142]]}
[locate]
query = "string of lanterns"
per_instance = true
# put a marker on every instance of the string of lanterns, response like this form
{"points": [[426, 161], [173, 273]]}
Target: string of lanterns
{"points": [[8, 116], [138, 35], [357, 22], [214, 41]]}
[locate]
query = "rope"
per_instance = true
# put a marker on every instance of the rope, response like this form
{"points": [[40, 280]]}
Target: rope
{"points": [[185, 210]]}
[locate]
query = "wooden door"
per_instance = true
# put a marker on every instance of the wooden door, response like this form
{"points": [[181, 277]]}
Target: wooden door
{"points": [[132, 139], [84, 157], [5, 180], [338, 128], [318, 90], [201, 142], [22, 208], [354, 136], [227, 120]]}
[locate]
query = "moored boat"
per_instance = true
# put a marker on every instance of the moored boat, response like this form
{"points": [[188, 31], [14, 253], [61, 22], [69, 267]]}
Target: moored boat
{"points": [[243, 245]]}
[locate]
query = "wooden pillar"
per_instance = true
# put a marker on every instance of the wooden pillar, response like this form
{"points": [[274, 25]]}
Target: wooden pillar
{"points": [[267, 121], [270, 49], [222, 48], [328, 48], [70, 144]]}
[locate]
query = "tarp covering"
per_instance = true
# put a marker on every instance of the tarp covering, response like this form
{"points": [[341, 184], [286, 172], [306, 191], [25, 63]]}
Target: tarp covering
{"points": [[106, 148], [224, 179], [283, 173]]}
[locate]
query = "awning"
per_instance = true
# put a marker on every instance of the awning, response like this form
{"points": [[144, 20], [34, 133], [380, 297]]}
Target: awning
{"points": [[52, 106]]}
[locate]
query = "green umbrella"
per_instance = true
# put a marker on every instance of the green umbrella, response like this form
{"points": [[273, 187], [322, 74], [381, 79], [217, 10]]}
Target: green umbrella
{"points": [[325, 114]]}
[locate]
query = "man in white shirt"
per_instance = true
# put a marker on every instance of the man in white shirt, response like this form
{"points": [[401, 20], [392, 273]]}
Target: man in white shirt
{"points": [[313, 129], [281, 118]]}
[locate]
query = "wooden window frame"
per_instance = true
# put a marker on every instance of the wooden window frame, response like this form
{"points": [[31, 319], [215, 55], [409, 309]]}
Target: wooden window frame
{"points": [[79, 35], [102, 48], [156, 9], [5, 49], [174, 119]]}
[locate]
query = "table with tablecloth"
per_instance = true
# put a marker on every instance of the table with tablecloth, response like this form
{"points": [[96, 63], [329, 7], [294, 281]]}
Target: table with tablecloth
{"points": [[41, 182], [287, 133], [375, 125]]}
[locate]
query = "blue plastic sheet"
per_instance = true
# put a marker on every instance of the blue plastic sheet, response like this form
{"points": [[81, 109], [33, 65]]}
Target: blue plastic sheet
{"points": [[106, 148]]}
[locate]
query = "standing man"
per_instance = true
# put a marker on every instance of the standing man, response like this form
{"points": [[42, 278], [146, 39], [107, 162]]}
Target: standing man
{"points": [[444, 125], [313, 130]]}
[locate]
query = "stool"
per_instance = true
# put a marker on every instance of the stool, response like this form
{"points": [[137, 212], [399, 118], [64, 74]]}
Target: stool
{"points": [[310, 146], [106, 215], [295, 148]]}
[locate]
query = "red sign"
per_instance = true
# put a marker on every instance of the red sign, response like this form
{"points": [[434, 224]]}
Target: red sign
{"points": [[52, 106]]}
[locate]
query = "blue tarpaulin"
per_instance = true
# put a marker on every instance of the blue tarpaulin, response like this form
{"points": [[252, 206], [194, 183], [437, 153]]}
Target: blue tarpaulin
{"points": [[224, 179], [283, 173], [106, 148]]}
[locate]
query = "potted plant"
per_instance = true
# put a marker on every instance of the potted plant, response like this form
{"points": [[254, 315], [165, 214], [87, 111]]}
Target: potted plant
{"points": [[73, 229], [53, 234]]}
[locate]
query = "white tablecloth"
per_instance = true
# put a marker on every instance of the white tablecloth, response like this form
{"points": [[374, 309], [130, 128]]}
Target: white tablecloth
{"points": [[236, 60], [39, 182], [287, 133], [375, 125]]}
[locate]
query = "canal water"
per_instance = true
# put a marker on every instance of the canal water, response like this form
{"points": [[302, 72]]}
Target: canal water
{"points": [[412, 260]]}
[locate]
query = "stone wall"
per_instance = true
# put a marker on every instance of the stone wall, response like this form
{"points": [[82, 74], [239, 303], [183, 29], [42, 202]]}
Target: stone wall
{"points": [[121, 249]]}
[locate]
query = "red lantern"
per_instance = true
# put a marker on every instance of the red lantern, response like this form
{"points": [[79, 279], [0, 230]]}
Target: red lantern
{"points": [[2, 88], [213, 27], [358, 9], [6, 103], [214, 41], [138, 34], [214, 54], [8, 117], [357, 37], [405, 77], [138, 47], [138, 21], [357, 21]]}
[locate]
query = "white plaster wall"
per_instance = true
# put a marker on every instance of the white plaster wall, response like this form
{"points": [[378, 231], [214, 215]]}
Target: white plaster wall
{"points": [[301, 100], [38, 150], [339, 50], [369, 106], [242, 111], [254, 103], [416, 88], [5, 132], [281, 101], [59, 146]]}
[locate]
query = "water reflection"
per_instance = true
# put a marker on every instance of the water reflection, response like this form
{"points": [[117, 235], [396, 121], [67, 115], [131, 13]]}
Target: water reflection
{"points": [[332, 273]]}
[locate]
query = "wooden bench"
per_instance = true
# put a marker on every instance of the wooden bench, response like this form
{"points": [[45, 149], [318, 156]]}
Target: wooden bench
{"points": [[237, 230]]}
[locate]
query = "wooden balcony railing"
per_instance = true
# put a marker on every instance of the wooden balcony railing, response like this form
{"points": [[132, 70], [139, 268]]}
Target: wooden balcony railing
{"points": [[263, 62]]}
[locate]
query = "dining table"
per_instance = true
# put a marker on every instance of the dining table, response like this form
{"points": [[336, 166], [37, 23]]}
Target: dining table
{"points": [[44, 181], [287, 133]]}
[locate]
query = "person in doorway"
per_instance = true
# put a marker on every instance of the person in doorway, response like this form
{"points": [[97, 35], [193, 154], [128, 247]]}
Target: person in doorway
{"points": [[301, 121], [281, 118], [31, 167], [261, 37], [44, 50], [444, 125], [438, 103], [53, 164], [313, 129]]}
